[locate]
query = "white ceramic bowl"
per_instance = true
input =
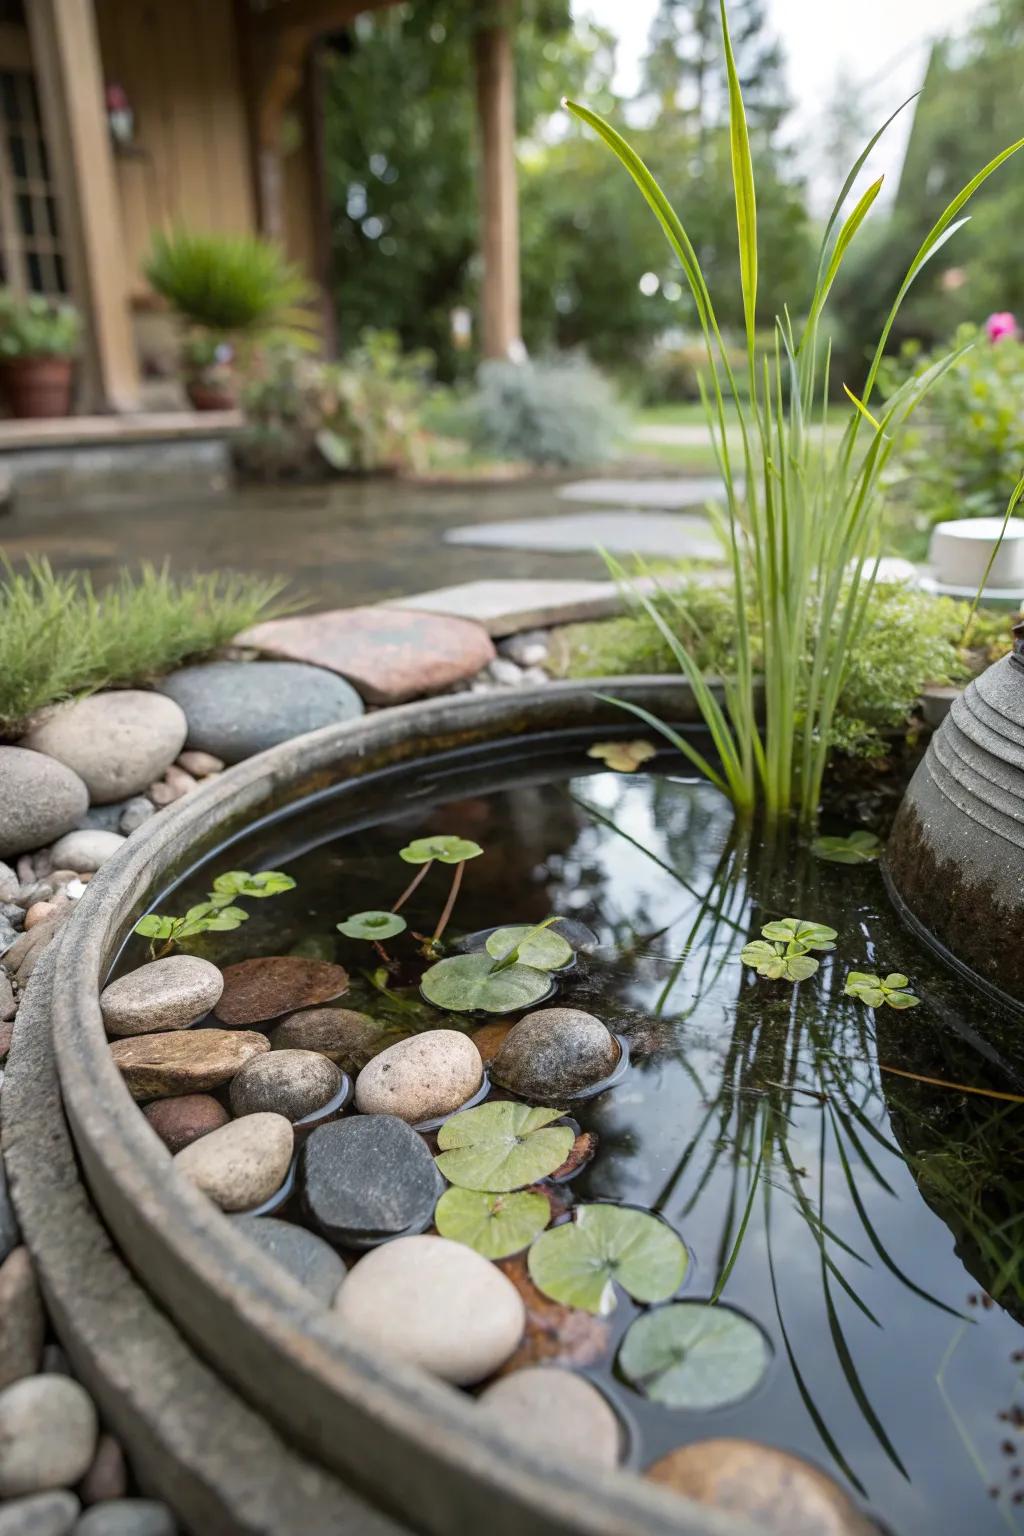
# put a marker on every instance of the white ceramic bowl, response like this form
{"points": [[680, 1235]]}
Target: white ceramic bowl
{"points": [[961, 550]]}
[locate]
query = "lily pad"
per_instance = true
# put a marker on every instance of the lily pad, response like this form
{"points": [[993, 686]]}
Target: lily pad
{"points": [[779, 962], [373, 925], [541, 948], [578, 1263], [445, 849], [796, 930], [877, 991], [692, 1355], [495, 1225], [473, 984], [502, 1146], [238, 882], [858, 848], [623, 756]]}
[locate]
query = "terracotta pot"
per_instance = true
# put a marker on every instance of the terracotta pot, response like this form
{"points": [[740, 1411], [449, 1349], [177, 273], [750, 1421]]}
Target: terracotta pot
{"points": [[206, 396], [37, 386]]}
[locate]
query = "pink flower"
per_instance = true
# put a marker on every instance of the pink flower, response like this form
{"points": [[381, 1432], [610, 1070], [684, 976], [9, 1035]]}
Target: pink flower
{"points": [[1001, 326]]}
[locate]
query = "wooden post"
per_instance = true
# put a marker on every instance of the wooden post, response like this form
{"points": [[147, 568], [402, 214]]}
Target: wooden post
{"points": [[69, 74], [499, 198]]}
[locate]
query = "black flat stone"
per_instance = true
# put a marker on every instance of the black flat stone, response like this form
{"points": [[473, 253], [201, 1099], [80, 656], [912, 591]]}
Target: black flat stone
{"points": [[367, 1179]]}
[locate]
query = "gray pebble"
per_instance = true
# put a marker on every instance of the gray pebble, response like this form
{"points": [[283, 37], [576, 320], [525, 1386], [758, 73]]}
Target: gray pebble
{"points": [[368, 1178], [8, 935], [134, 813], [10, 1236], [22, 1322], [290, 1083], [306, 1257], [8, 1001], [9, 882], [555, 1052], [41, 1514], [14, 913], [127, 1517], [47, 1434]]}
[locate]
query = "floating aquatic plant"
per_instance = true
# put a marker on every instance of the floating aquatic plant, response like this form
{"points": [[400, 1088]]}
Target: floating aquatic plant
{"points": [[580, 1262], [502, 1146], [443, 848], [877, 991], [623, 756], [373, 926], [693, 1355], [783, 953], [215, 914], [489, 983], [796, 930], [542, 949], [858, 848], [495, 1225]]}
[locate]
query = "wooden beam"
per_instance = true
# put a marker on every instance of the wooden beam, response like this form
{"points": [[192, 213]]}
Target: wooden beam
{"points": [[499, 193], [69, 75]]}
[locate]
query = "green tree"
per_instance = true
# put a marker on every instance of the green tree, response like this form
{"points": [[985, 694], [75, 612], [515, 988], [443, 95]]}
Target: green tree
{"points": [[685, 67]]}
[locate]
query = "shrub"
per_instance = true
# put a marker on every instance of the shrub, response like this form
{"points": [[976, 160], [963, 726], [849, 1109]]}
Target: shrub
{"points": [[560, 412], [965, 446], [59, 638], [909, 639], [363, 414], [36, 327], [234, 285]]}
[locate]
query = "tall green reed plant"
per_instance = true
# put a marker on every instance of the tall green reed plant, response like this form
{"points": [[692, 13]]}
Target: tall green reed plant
{"points": [[802, 517]]}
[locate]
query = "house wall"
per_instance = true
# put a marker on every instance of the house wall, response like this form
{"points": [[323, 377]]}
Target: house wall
{"points": [[191, 165]]}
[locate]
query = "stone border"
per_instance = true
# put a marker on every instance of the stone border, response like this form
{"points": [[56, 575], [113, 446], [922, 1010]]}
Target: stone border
{"points": [[410, 1442]]}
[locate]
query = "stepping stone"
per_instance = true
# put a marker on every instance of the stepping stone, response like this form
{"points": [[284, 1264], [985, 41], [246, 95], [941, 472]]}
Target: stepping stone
{"points": [[670, 535], [665, 495], [509, 607], [389, 654]]}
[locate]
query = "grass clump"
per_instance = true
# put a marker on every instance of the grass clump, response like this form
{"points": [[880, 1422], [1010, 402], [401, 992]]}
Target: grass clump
{"points": [[908, 640], [59, 638]]}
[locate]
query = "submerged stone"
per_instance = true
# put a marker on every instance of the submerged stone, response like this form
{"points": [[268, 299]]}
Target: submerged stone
{"points": [[262, 989], [349, 1038], [555, 1052], [368, 1178], [290, 1083], [306, 1257]]}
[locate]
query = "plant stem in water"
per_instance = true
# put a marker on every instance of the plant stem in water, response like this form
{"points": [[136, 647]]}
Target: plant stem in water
{"points": [[424, 870], [449, 906]]}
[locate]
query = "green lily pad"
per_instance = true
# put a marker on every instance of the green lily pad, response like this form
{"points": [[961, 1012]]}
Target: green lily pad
{"points": [[473, 984], [238, 882], [796, 930], [859, 848], [495, 1225], [502, 1146], [779, 962], [372, 925], [692, 1355], [579, 1262], [443, 848], [877, 992], [540, 948]]}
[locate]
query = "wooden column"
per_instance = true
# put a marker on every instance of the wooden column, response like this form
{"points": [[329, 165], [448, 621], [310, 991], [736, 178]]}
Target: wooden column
{"points": [[499, 196], [69, 74]]}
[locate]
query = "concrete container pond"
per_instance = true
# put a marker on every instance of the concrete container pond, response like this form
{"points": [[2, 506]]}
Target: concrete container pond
{"points": [[345, 1438]]}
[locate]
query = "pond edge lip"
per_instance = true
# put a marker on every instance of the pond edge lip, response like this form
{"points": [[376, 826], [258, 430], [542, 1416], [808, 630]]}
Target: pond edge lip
{"points": [[381, 1425]]}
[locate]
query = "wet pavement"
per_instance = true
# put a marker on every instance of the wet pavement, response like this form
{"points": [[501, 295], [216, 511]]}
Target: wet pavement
{"points": [[339, 544]]}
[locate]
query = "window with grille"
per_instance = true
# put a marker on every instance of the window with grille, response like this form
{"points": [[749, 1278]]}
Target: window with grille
{"points": [[31, 255]]}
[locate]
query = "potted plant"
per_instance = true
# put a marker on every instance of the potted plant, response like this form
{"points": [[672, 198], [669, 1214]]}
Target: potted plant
{"points": [[38, 342], [232, 293]]}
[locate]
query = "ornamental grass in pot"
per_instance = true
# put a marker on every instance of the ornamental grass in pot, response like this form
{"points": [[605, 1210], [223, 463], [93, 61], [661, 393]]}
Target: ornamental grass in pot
{"points": [[233, 294], [39, 338]]}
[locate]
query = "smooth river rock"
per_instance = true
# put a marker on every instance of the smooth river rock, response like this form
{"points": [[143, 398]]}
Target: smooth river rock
{"points": [[161, 1066], [87, 851], [368, 1178], [22, 1322], [778, 1493], [418, 1079], [165, 994], [435, 1304], [10, 1236], [258, 990], [555, 1052], [107, 1478], [558, 1411], [306, 1257], [180, 1122], [349, 1038], [242, 1164], [235, 709], [290, 1083], [40, 1514], [40, 799], [116, 742], [127, 1517], [47, 1435]]}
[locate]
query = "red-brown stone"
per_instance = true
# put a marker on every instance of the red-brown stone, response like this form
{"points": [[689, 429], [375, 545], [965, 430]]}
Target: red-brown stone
{"points": [[388, 654], [258, 990]]}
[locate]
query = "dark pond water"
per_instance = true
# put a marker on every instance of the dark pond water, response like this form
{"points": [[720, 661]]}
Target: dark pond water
{"points": [[882, 1214]]}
